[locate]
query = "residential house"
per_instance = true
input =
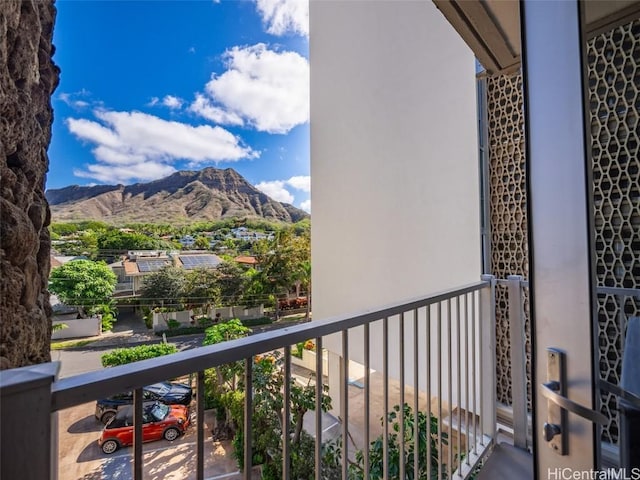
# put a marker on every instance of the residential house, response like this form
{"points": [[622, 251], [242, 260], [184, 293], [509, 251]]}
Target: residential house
{"points": [[243, 233], [137, 264], [247, 260], [187, 241]]}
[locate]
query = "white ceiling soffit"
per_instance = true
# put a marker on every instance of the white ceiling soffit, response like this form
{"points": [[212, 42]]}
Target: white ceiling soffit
{"points": [[491, 28]]}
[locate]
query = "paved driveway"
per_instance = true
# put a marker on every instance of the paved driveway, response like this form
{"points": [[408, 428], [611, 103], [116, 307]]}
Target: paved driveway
{"points": [[80, 457]]}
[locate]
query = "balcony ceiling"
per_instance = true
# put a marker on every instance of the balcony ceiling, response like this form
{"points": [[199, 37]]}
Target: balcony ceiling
{"points": [[491, 28]]}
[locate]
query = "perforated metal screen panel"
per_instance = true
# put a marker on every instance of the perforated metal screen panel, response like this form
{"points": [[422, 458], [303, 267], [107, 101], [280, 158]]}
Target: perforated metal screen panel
{"points": [[614, 84], [507, 213]]}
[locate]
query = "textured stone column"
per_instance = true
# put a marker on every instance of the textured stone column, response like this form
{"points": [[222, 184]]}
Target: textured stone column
{"points": [[28, 77]]}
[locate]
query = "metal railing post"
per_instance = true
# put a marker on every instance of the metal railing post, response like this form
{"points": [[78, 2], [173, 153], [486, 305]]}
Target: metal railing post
{"points": [[138, 468], [26, 424], [488, 357], [518, 360], [248, 418]]}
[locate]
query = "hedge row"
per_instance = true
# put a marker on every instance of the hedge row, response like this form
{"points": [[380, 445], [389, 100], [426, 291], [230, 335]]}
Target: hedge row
{"points": [[174, 332], [253, 322], [121, 356]]}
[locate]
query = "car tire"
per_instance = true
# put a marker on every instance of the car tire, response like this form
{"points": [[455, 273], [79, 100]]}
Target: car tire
{"points": [[171, 434], [110, 446], [106, 416]]}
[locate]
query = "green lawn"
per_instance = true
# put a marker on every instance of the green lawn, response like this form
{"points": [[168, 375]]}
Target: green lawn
{"points": [[61, 345]]}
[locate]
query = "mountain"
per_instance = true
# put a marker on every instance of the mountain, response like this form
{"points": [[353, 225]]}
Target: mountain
{"points": [[208, 194]]}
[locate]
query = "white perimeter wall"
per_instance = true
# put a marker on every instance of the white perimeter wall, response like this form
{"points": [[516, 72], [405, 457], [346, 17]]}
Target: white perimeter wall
{"points": [[76, 327], [394, 162]]}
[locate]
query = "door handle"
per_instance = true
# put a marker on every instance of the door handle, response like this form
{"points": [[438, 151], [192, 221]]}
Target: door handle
{"points": [[549, 391], [620, 392], [558, 405]]}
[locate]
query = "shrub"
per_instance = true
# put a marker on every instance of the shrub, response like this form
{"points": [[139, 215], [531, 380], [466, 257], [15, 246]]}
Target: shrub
{"points": [[121, 356], [222, 332], [297, 351], [147, 315], [107, 322], [58, 326], [204, 322], [175, 332], [427, 439], [173, 324]]}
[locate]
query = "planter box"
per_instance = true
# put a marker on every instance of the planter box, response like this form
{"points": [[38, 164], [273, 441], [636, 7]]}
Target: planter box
{"points": [[160, 319], [308, 361]]}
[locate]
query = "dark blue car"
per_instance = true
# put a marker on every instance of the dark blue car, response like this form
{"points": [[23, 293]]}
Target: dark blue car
{"points": [[165, 392]]}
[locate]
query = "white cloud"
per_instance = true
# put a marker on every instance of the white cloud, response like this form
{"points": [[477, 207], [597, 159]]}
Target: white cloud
{"points": [[276, 190], [73, 99], [135, 145], [302, 183], [284, 16], [145, 171], [267, 89], [172, 102], [93, 131], [306, 206], [203, 107], [153, 102]]}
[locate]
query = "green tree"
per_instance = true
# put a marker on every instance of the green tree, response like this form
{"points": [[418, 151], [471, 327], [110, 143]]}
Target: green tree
{"points": [[302, 276], [64, 229], [164, 288], [255, 292], [221, 381], [202, 243], [231, 282], [281, 261], [83, 283], [427, 431], [94, 225], [202, 289], [108, 312], [122, 241], [268, 420]]}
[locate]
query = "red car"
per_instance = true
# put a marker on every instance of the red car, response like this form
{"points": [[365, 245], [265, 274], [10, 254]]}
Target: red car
{"points": [[159, 421]]}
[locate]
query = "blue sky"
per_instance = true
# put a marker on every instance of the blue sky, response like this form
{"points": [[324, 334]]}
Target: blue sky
{"points": [[148, 88]]}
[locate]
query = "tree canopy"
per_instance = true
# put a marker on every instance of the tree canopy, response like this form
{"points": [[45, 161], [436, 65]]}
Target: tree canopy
{"points": [[284, 262], [117, 240], [164, 287], [83, 283]]}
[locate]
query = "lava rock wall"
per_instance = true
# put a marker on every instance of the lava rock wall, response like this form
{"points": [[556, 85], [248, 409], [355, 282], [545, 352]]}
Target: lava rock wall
{"points": [[28, 77]]}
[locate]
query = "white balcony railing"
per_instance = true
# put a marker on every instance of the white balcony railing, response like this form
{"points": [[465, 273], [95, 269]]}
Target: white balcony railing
{"points": [[442, 344]]}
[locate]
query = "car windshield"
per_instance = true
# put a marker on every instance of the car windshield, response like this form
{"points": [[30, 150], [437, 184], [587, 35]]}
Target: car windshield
{"points": [[159, 411]]}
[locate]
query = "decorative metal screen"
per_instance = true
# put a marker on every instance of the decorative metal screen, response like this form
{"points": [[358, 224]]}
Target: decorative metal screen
{"points": [[614, 84], [507, 213]]}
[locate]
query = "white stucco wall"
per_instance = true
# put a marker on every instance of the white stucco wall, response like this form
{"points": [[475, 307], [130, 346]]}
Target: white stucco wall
{"points": [[76, 327], [394, 162]]}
